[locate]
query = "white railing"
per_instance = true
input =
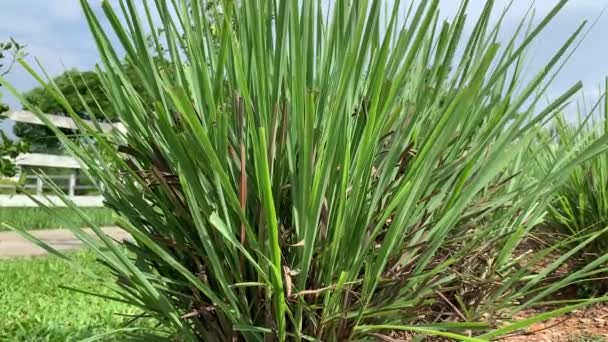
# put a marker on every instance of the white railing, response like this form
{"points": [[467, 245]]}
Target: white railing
{"points": [[47, 160], [72, 185], [80, 190], [59, 121], [32, 188]]}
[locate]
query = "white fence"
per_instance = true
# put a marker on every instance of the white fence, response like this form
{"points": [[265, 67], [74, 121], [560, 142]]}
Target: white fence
{"points": [[14, 192], [77, 187], [58, 121], [72, 185]]}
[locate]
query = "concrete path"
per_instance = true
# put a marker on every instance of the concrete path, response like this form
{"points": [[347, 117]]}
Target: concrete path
{"points": [[13, 245]]}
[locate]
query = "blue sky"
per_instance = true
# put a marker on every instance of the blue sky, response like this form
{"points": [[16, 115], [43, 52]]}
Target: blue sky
{"points": [[56, 33]]}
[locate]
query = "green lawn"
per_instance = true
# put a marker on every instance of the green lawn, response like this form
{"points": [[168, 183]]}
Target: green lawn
{"points": [[37, 218], [33, 307]]}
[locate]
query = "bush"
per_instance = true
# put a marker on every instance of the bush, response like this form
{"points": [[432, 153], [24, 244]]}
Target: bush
{"points": [[324, 173], [581, 204]]}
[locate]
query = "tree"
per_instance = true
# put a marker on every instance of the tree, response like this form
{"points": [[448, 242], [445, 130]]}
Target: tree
{"points": [[84, 92], [75, 85], [10, 51]]}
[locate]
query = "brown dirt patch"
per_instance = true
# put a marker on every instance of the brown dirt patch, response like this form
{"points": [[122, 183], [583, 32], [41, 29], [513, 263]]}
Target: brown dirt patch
{"points": [[589, 325], [575, 326]]}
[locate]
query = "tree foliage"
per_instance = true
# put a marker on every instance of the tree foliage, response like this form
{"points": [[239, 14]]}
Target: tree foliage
{"points": [[84, 92], [13, 50], [10, 51], [82, 89]]}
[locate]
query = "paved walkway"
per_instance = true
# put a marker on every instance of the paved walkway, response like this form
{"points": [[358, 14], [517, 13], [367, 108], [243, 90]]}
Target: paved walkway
{"points": [[13, 245]]}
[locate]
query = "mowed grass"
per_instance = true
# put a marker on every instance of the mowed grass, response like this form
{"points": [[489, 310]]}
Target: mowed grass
{"points": [[34, 307], [38, 218]]}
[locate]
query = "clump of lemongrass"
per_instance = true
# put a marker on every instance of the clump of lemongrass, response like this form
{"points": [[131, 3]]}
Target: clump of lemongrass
{"points": [[322, 171]]}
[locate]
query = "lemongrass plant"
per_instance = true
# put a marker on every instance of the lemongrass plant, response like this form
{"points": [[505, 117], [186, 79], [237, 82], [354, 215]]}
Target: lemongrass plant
{"points": [[581, 203], [328, 171]]}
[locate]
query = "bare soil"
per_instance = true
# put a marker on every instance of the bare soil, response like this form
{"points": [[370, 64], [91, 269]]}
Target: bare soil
{"points": [[590, 324]]}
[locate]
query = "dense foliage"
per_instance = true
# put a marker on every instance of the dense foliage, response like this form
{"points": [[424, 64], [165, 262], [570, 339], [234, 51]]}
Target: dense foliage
{"points": [[325, 172], [85, 93], [83, 90], [581, 204]]}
